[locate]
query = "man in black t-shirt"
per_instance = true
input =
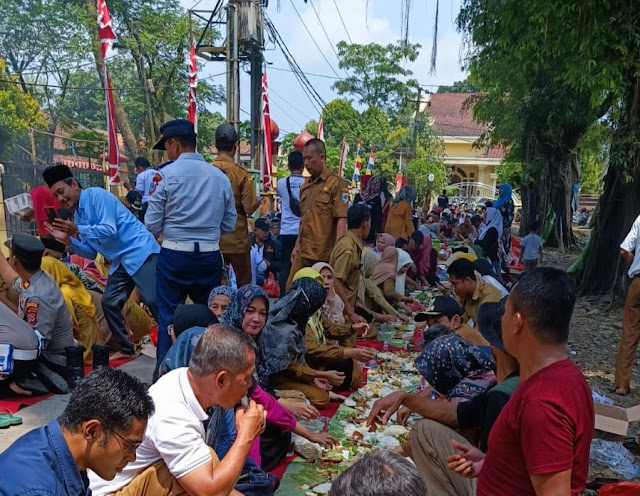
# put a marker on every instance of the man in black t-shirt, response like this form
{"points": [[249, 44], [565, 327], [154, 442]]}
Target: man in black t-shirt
{"points": [[431, 437], [443, 200]]}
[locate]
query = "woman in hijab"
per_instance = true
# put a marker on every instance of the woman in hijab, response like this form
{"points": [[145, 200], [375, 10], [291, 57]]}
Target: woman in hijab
{"points": [[219, 299], [387, 272], [399, 220], [333, 307], [420, 247], [504, 204], [489, 237], [374, 300], [247, 311], [456, 368], [86, 330], [283, 347], [382, 241]]}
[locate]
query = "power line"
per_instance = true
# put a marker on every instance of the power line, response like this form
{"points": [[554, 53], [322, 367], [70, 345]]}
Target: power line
{"points": [[307, 73], [342, 21], [271, 90], [284, 111], [325, 31], [313, 39]]}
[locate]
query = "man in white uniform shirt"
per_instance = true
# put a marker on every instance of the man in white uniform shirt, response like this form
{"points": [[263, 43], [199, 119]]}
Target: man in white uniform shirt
{"points": [[630, 253], [173, 458], [290, 221]]}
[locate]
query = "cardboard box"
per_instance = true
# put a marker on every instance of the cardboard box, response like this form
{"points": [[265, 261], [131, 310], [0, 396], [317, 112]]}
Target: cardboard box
{"points": [[615, 419]]}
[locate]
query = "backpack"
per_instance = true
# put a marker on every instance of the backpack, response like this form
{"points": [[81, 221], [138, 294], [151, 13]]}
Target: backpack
{"points": [[294, 204]]}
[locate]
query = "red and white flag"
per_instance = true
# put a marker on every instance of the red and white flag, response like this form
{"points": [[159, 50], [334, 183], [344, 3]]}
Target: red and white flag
{"points": [[192, 115], [267, 168], [107, 37], [321, 129], [343, 157]]}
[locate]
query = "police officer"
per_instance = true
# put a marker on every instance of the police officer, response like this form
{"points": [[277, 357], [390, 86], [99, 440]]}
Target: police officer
{"points": [[235, 245], [323, 207], [40, 302], [191, 207]]}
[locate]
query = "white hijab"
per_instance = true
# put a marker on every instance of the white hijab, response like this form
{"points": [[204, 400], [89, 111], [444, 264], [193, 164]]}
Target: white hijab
{"points": [[404, 259], [494, 219]]}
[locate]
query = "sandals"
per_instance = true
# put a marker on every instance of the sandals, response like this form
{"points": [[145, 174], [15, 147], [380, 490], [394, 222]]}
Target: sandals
{"points": [[7, 419]]}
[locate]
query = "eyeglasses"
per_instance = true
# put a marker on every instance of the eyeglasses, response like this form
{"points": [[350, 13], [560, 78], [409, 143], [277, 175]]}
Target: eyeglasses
{"points": [[128, 445]]}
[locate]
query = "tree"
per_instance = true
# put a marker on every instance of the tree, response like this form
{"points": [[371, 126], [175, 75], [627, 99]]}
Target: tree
{"points": [[377, 76], [464, 86]]}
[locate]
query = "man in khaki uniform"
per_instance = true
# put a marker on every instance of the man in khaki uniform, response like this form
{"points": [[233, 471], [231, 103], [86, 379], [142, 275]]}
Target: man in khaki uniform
{"points": [[323, 207], [471, 292], [346, 261], [235, 246]]}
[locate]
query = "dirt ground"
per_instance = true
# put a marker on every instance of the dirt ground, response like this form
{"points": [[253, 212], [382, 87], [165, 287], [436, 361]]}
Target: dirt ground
{"points": [[593, 344]]}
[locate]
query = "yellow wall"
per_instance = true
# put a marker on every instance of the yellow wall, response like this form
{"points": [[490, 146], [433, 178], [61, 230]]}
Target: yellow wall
{"points": [[460, 154]]}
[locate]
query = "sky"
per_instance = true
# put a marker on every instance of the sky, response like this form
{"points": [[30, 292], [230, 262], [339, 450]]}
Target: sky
{"points": [[367, 21]]}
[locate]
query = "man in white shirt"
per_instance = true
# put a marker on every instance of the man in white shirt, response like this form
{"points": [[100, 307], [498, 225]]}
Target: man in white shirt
{"points": [[144, 180], [630, 253], [173, 457], [290, 221]]}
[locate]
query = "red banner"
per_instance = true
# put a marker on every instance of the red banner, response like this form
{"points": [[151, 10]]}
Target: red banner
{"points": [[267, 169], [107, 37], [192, 115]]}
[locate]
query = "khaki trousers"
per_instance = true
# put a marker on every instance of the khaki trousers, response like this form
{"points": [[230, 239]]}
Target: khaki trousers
{"points": [[156, 480], [430, 446], [241, 266], [299, 263], [318, 397], [630, 335]]}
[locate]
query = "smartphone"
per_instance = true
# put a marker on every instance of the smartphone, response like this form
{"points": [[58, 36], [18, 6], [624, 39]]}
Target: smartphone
{"points": [[51, 214]]}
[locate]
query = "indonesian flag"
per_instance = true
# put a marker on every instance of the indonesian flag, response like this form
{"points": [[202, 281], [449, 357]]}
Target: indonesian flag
{"points": [[370, 164], [192, 115], [321, 129], [107, 37], [267, 169], [343, 157], [398, 182], [358, 165]]}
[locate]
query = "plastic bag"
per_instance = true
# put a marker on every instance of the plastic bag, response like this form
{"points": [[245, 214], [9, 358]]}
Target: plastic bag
{"points": [[271, 287], [599, 398], [615, 456], [620, 489]]}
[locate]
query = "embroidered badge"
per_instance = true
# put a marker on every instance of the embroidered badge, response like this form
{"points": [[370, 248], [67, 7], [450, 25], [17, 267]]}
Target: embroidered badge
{"points": [[32, 313], [345, 197], [154, 183]]}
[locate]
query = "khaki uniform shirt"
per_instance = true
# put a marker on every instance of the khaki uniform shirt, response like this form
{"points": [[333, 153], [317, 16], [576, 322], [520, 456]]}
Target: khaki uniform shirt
{"points": [[484, 293], [246, 203], [346, 262], [323, 200]]}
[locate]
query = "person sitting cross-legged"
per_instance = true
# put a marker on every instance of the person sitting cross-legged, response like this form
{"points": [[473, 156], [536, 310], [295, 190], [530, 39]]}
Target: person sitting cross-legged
{"points": [[173, 458]]}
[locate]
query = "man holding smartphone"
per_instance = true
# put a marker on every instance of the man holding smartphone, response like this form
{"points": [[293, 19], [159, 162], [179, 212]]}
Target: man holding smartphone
{"points": [[102, 224]]}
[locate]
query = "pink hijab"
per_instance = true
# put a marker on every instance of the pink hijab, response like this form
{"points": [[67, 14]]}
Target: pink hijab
{"points": [[387, 267]]}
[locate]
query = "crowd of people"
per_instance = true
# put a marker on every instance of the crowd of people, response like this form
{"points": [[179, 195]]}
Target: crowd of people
{"points": [[258, 323]]}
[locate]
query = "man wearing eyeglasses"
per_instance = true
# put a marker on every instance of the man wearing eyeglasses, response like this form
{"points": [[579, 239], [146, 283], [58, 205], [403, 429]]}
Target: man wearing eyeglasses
{"points": [[100, 429]]}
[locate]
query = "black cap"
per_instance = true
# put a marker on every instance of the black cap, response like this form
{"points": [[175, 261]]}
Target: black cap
{"points": [[262, 224], [226, 132], [171, 129], [53, 244], [276, 221], [490, 322], [442, 305], [25, 245], [188, 316], [135, 199], [55, 173]]}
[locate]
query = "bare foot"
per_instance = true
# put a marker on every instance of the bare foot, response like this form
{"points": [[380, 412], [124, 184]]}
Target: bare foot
{"points": [[622, 391], [336, 397], [18, 390], [120, 356]]}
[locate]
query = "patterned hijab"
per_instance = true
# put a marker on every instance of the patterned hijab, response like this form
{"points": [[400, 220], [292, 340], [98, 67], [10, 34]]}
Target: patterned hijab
{"points": [[372, 189], [387, 267], [455, 367], [227, 291], [282, 341], [239, 303]]}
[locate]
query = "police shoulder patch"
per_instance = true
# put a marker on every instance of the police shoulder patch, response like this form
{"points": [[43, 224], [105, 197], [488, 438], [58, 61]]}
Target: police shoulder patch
{"points": [[32, 313], [154, 182]]}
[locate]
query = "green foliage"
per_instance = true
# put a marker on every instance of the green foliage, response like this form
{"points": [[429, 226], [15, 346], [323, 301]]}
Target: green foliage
{"points": [[511, 173], [286, 144], [594, 156], [208, 122], [312, 127], [377, 75], [86, 143], [464, 86]]}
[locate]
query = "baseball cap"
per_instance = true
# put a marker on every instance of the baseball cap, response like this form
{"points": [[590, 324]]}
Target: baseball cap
{"points": [[490, 322], [262, 224], [226, 132], [171, 129], [442, 305]]}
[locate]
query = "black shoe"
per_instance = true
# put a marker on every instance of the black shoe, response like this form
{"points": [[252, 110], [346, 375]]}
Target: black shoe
{"points": [[75, 365], [53, 382], [100, 356]]}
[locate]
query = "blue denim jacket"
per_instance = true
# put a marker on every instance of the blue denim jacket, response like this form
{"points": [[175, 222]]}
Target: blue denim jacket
{"points": [[40, 463]]}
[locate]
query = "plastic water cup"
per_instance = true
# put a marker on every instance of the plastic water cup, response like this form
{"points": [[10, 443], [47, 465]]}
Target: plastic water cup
{"points": [[325, 423]]}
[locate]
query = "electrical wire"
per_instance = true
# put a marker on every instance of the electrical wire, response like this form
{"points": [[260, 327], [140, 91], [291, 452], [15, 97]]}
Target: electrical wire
{"points": [[271, 90], [342, 21], [325, 31], [312, 38], [284, 111]]}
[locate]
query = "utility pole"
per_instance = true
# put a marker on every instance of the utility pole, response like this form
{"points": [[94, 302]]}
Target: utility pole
{"points": [[233, 69], [415, 122]]}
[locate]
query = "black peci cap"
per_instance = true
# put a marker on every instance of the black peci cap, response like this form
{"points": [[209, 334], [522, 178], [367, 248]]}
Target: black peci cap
{"points": [[442, 305], [171, 129]]}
